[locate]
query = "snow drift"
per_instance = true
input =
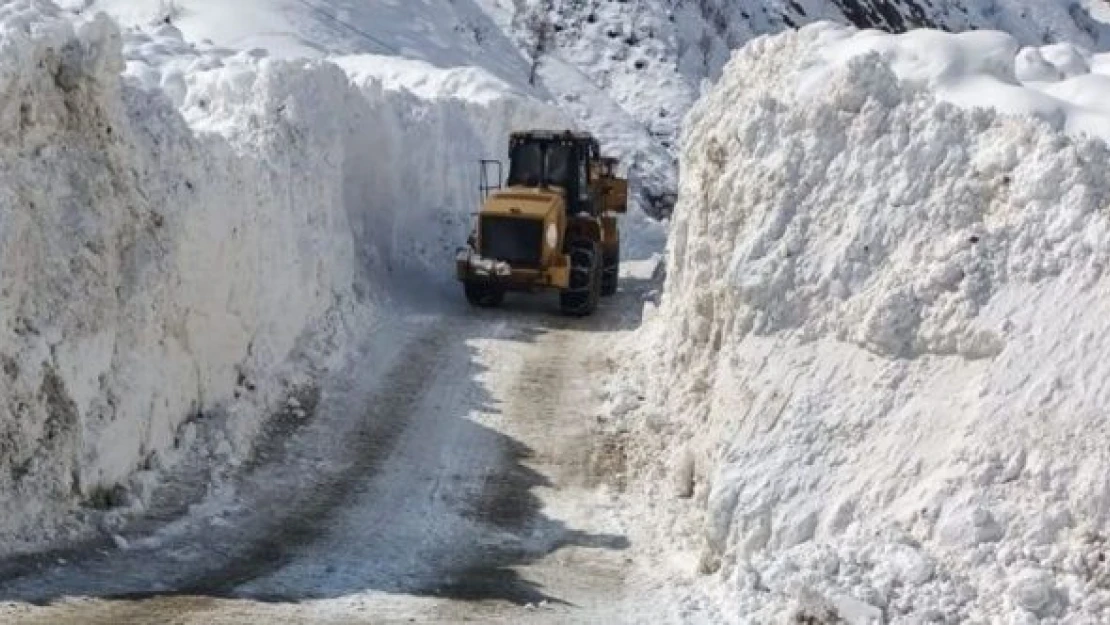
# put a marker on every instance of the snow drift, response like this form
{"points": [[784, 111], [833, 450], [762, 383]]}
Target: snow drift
{"points": [[881, 350], [180, 243]]}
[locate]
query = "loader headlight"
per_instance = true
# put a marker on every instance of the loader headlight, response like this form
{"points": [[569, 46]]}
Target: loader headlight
{"points": [[551, 236]]}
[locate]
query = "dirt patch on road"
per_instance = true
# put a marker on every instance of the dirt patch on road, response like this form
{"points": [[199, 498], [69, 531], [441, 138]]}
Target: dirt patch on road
{"points": [[609, 462]]}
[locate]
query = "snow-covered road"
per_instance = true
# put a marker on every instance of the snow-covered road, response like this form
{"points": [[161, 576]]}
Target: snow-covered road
{"points": [[457, 473]]}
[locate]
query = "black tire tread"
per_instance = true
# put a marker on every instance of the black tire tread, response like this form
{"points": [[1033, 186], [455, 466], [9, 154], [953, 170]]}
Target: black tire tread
{"points": [[581, 297], [483, 294], [610, 273]]}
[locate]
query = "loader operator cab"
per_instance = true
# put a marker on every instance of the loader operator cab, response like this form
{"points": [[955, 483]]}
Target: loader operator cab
{"points": [[540, 160]]}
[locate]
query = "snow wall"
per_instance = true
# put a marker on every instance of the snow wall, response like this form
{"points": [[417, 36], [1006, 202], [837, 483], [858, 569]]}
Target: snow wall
{"points": [[186, 231], [882, 352]]}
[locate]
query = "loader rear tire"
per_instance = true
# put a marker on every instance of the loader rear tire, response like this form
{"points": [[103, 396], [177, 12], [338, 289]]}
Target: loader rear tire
{"points": [[610, 271], [581, 296], [484, 294]]}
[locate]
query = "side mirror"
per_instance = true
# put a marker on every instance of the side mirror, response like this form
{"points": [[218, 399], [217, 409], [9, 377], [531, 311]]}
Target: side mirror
{"points": [[491, 177]]}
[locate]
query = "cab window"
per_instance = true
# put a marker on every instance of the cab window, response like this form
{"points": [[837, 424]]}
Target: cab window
{"points": [[526, 165]]}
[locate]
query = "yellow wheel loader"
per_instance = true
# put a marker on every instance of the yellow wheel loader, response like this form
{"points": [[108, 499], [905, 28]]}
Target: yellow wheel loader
{"points": [[552, 225]]}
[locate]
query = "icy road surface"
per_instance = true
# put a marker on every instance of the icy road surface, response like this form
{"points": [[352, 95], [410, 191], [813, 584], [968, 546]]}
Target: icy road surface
{"points": [[457, 472]]}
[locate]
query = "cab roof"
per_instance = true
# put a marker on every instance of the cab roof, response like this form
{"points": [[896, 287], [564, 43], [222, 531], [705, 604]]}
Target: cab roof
{"points": [[538, 133], [583, 142], [553, 135]]}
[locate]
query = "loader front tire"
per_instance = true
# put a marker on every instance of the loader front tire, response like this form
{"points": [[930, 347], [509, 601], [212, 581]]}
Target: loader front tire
{"points": [[483, 294], [581, 296], [610, 271]]}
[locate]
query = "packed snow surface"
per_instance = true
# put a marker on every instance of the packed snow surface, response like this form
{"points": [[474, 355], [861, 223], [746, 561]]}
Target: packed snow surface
{"points": [[187, 231], [879, 363]]}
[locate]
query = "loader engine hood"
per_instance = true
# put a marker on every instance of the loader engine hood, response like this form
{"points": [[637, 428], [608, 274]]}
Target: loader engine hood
{"points": [[525, 202], [522, 226]]}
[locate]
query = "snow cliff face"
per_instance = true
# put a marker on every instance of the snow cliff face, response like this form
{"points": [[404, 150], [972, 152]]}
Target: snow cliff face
{"points": [[169, 269], [881, 343]]}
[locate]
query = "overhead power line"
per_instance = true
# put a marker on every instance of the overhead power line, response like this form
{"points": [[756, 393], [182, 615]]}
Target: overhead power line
{"points": [[351, 27]]}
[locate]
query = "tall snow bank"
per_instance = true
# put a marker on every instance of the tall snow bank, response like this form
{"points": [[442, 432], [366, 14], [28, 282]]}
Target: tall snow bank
{"points": [[150, 274], [168, 274], [881, 354]]}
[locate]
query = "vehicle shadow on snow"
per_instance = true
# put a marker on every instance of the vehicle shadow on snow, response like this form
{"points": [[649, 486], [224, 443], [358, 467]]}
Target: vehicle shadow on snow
{"points": [[513, 532], [295, 515]]}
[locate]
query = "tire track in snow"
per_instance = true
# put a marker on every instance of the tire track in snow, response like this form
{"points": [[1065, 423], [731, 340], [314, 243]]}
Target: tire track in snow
{"points": [[372, 439]]}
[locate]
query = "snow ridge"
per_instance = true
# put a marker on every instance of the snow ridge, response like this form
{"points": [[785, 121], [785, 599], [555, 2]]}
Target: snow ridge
{"points": [[880, 343]]}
